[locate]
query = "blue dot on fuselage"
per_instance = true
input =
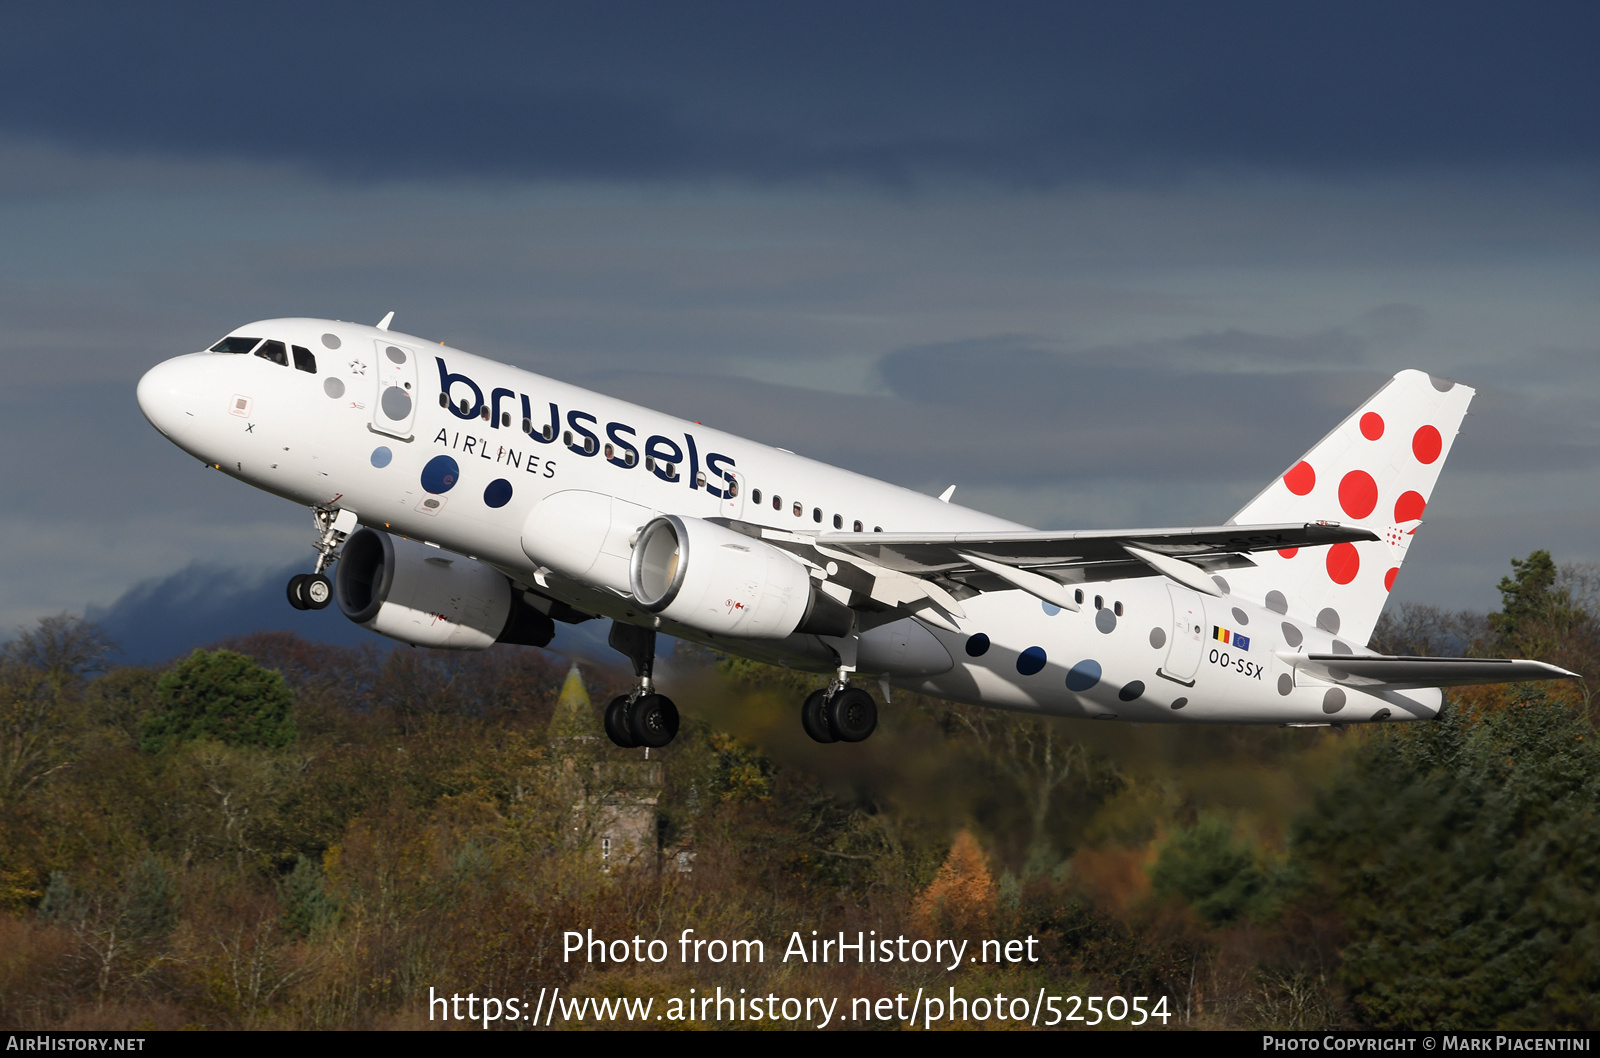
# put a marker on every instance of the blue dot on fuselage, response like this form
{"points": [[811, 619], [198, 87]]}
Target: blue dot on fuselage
{"points": [[1050, 608], [440, 475], [381, 456], [1084, 674], [978, 645], [1030, 661], [498, 494]]}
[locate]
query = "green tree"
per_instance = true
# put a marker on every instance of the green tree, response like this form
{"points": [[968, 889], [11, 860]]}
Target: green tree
{"points": [[221, 695], [1214, 872], [1464, 857]]}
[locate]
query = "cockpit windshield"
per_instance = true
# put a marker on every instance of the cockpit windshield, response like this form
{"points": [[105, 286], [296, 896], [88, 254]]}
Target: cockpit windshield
{"points": [[274, 351], [234, 344]]}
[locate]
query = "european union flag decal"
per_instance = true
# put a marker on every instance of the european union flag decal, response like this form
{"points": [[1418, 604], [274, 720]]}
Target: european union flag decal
{"points": [[1242, 642]]}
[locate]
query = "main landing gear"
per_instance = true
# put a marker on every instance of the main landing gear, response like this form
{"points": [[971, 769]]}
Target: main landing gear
{"points": [[642, 718], [839, 713], [314, 591]]}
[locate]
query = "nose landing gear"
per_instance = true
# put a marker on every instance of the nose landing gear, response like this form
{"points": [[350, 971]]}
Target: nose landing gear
{"points": [[642, 718], [314, 591]]}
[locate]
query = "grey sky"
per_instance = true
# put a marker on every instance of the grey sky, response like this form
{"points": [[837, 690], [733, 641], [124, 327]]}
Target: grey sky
{"points": [[1060, 286]]}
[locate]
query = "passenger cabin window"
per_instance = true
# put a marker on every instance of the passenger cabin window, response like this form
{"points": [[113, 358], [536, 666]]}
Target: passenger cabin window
{"points": [[1077, 596], [777, 503], [303, 360], [857, 524], [236, 345], [275, 352], [755, 496], [505, 419], [797, 509], [877, 528], [838, 521], [816, 514]]}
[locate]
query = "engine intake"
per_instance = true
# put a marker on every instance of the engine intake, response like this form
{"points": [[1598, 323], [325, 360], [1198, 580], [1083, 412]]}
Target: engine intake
{"points": [[702, 575], [423, 595]]}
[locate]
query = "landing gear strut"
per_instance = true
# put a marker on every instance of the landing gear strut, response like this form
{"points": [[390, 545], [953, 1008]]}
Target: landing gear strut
{"points": [[314, 591], [840, 712], [643, 717]]}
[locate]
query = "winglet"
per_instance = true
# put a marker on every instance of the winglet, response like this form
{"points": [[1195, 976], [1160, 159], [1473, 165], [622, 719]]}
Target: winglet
{"points": [[383, 324], [944, 497]]}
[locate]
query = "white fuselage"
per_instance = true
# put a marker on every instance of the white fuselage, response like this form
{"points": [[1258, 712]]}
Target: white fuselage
{"points": [[328, 437]]}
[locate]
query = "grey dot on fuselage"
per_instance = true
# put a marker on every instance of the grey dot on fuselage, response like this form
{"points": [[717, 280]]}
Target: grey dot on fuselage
{"points": [[1276, 602], [331, 341], [396, 403], [1219, 582], [1292, 635], [1443, 385], [1285, 683], [1328, 620], [397, 356], [1240, 616], [1179, 703], [333, 388], [1158, 637], [1341, 647], [1333, 701], [1105, 620]]}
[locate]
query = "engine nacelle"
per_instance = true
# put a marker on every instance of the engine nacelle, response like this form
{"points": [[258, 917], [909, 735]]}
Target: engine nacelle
{"points": [[702, 575], [418, 594]]}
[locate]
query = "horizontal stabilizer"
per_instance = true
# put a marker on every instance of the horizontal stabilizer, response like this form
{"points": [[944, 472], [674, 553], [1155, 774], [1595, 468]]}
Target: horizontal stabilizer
{"points": [[1402, 672]]}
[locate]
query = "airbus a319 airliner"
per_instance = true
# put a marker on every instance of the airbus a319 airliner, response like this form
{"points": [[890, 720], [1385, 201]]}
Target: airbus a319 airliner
{"points": [[462, 502]]}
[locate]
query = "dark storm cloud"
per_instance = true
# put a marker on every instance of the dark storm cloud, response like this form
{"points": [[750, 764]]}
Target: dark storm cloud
{"points": [[1230, 407], [891, 92]]}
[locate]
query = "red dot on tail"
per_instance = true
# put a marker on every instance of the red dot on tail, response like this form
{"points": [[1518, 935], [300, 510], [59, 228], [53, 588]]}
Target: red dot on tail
{"points": [[1372, 426], [1343, 563], [1358, 493], [1409, 507], [1427, 444], [1300, 478], [1388, 578], [1288, 552]]}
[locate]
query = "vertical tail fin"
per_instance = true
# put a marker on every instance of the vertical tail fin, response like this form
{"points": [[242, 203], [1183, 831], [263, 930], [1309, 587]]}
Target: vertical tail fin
{"points": [[1376, 469]]}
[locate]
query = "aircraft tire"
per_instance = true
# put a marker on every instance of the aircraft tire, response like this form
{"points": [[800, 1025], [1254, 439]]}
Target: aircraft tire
{"points": [[297, 597], [617, 723], [852, 715], [653, 720], [317, 591], [812, 717]]}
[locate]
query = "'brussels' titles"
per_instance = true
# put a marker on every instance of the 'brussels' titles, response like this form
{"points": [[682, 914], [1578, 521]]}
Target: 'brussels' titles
{"points": [[662, 455]]}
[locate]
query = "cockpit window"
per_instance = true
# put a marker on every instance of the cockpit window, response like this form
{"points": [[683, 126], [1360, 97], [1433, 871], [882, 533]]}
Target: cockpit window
{"points": [[275, 352], [303, 360], [236, 345]]}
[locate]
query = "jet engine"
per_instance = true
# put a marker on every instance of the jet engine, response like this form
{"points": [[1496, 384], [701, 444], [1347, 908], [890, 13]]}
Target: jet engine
{"points": [[700, 574], [423, 595]]}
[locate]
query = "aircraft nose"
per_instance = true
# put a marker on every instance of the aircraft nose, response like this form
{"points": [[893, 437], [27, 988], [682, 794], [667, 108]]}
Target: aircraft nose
{"points": [[163, 395]]}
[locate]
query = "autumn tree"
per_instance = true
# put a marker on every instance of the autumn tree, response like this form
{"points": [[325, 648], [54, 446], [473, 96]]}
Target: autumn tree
{"points": [[961, 897]]}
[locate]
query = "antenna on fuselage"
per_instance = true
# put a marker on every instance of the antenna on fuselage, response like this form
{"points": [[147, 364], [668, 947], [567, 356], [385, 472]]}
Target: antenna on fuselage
{"points": [[383, 324]]}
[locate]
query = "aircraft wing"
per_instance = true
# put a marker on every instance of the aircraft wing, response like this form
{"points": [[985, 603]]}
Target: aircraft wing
{"points": [[919, 571], [924, 553], [1403, 672]]}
